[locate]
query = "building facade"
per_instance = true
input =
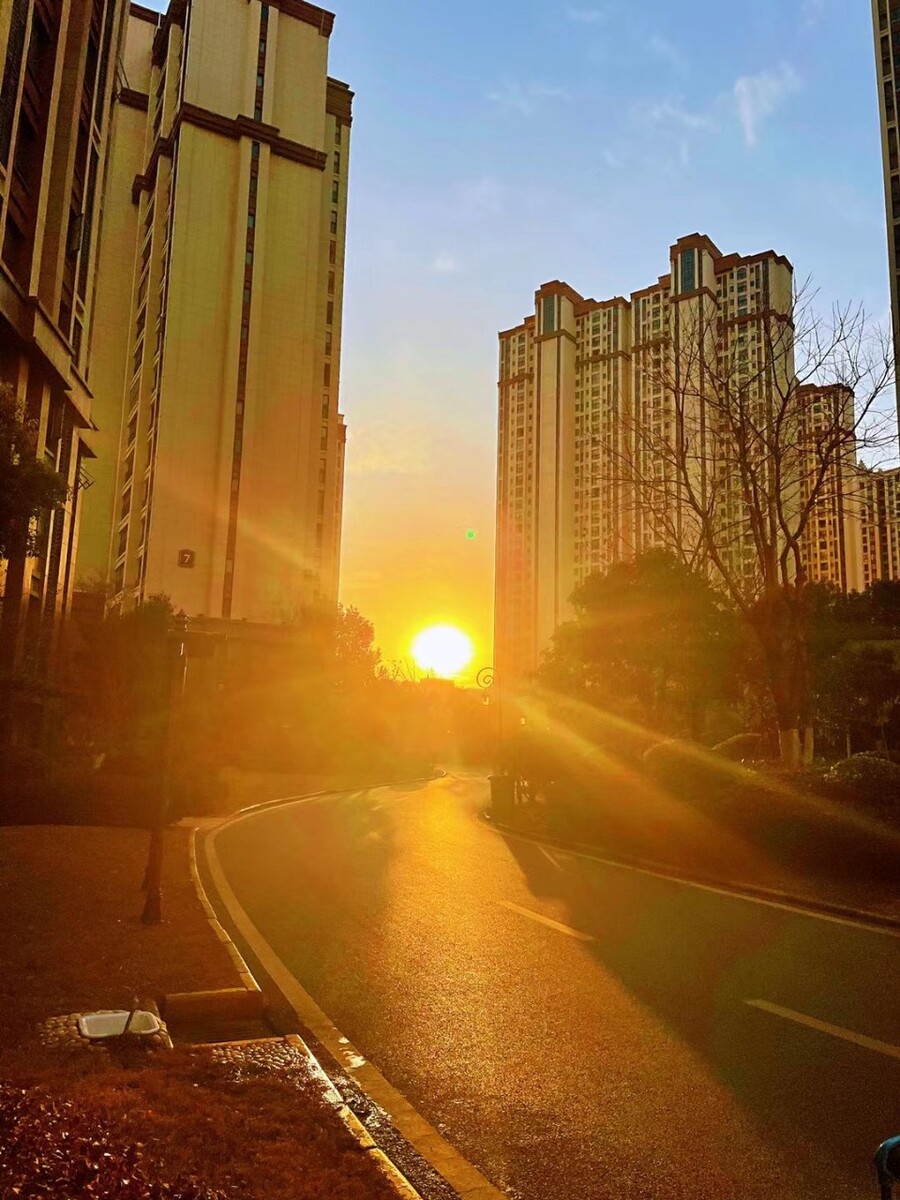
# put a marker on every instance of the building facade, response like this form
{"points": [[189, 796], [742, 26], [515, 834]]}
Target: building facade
{"points": [[832, 543], [886, 23], [220, 446], [880, 525], [58, 60], [594, 395]]}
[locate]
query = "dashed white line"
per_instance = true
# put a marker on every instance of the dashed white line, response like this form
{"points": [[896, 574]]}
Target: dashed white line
{"points": [[549, 857], [541, 920], [846, 1035]]}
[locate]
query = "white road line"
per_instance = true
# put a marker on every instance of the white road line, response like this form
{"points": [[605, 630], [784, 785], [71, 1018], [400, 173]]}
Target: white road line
{"points": [[549, 857], [784, 906], [526, 912], [846, 1035]]}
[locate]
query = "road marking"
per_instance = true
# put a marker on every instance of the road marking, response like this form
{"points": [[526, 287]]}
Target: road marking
{"points": [[846, 1035], [567, 929], [549, 857], [812, 914]]}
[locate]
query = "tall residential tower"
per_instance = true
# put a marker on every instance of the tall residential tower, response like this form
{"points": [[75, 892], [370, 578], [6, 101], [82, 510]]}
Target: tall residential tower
{"points": [[58, 63], [591, 393], [220, 451], [886, 19]]}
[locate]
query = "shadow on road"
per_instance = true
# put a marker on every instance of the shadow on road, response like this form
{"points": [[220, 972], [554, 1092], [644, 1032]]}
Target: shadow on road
{"points": [[696, 958]]}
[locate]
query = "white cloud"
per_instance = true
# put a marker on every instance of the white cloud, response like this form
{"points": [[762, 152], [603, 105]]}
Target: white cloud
{"points": [[483, 198], [445, 264], [672, 112], [758, 97], [587, 16], [811, 13], [668, 52], [524, 98], [389, 447]]}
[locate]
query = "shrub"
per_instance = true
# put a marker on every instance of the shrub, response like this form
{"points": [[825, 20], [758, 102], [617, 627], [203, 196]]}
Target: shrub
{"points": [[744, 747], [869, 780], [685, 770]]}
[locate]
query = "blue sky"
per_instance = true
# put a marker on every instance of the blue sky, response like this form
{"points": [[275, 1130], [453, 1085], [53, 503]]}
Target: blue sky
{"points": [[498, 145]]}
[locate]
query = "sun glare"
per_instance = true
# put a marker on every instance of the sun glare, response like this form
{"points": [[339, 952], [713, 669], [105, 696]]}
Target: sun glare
{"points": [[442, 649]]}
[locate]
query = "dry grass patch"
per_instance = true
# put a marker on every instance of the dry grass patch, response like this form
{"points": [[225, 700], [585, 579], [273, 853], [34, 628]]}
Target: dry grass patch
{"points": [[179, 1126], [136, 1125], [71, 938]]}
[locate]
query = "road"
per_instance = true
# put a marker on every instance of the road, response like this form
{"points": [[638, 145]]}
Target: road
{"points": [[580, 1030]]}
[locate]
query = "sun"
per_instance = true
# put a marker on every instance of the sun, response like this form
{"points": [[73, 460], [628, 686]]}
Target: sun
{"points": [[443, 649]]}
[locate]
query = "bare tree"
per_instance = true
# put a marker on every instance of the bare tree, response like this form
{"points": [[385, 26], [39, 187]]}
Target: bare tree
{"points": [[738, 433]]}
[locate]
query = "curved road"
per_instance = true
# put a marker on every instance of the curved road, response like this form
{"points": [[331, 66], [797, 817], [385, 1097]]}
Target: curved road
{"points": [[574, 1028]]}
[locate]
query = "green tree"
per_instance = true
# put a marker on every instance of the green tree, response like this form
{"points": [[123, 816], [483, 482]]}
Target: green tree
{"points": [[651, 632], [357, 658], [28, 486]]}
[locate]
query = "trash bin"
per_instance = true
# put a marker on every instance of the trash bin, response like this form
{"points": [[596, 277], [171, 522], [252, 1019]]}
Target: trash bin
{"points": [[502, 796]]}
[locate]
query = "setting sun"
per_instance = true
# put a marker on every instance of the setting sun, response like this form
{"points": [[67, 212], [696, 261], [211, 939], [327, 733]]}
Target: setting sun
{"points": [[442, 649]]}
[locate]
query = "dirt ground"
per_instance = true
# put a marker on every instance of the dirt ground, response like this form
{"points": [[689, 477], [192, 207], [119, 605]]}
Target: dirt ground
{"points": [[136, 1124]]}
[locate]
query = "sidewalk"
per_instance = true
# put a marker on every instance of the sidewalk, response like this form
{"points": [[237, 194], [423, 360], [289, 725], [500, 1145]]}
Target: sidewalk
{"points": [[202, 1123]]}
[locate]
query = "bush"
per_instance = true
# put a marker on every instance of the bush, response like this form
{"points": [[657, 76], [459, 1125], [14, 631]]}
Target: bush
{"points": [[744, 747], [867, 779], [686, 770]]}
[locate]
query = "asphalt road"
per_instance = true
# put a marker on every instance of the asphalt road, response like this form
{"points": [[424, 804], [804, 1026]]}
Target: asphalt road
{"points": [[579, 1030]]}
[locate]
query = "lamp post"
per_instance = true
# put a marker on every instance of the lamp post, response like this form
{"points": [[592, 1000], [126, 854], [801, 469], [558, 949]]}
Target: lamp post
{"points": [[486, 679], [175, 679]]}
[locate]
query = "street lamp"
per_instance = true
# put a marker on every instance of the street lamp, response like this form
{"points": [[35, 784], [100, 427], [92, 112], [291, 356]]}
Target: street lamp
{"points": [[175, 678], [486, 679]]}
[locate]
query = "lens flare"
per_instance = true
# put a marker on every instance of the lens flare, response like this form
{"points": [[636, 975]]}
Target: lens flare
{"points": [[443, 649]]}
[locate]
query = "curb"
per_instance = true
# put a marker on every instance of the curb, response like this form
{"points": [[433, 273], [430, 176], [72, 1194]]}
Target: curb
{"points": [[401, 1185], [667, 871], [248, 982]]}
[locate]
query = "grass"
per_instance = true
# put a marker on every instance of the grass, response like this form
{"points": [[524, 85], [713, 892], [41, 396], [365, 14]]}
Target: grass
{"points": [[138, 1125]]}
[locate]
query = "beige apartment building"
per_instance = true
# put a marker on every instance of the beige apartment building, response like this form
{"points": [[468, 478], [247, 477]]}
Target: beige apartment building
{"points": [[58, 62], [588, 393], [880, 525], [832, 544], [886, 23], [219, 472]]}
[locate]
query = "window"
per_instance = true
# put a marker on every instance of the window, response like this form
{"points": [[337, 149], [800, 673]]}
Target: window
{"points": [[335, 192], [334, 222], [689, 271], [254, 152], [329, 313]]}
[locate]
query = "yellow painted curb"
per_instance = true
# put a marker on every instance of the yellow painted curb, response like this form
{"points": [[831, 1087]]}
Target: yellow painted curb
{"points": [[354, 1126]]}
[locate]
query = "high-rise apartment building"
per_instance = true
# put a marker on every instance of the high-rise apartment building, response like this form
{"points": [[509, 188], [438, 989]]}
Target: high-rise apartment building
{"points": [[831, 546], [880, 525], [58, 62], [588, 394], [220, 445], [886, 21]]}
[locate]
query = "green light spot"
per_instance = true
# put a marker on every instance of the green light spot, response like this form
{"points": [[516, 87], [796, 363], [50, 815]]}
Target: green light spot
{"points": [[471, 535]]}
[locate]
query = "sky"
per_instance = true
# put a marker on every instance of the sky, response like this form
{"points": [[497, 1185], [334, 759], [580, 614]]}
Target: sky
{"points": [[500, 144]]}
